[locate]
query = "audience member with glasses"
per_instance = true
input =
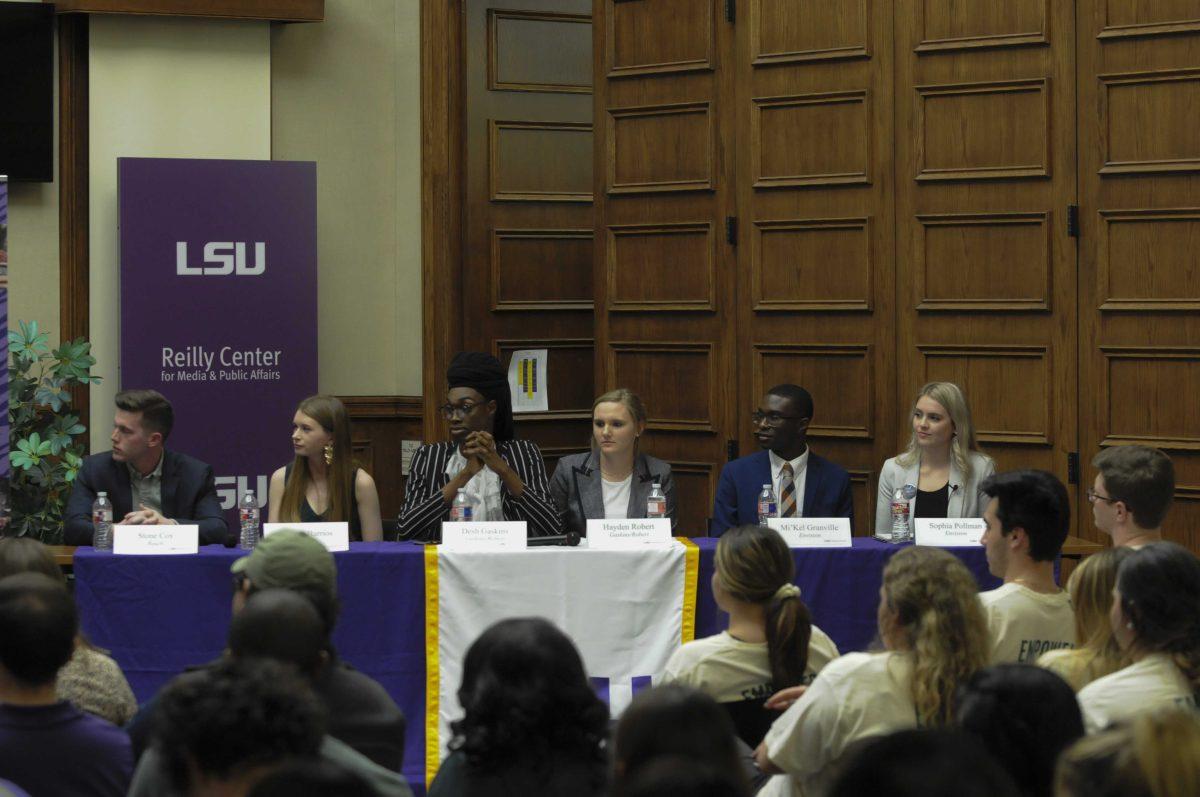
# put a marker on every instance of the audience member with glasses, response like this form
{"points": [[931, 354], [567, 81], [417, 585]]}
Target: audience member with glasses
{"points": [[804, 484], [1132, 492], [502, 478], [943, 461]]}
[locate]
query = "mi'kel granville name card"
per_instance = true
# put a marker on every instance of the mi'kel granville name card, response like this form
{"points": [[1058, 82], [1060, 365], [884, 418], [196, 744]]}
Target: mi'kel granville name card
{"points": [[813, 532], [501, 535], [136, 540], [334, 536], [949, 532], [634, 533]]}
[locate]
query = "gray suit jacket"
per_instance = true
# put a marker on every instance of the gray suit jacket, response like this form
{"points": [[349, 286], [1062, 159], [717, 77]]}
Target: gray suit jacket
{"points": [[575, 488], [965, 499]]}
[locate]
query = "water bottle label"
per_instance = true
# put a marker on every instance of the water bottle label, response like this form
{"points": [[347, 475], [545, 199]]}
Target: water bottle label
{"points": [[900, 511], [656, 507], [767, 509], [460, 514]]}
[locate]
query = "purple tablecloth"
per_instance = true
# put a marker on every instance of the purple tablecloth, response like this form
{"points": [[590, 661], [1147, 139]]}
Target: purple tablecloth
{"points": [[160, 614]]}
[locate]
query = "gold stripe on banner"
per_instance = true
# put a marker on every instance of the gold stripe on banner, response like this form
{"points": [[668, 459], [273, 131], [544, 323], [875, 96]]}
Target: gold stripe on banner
{"points": [[432, 674], [691, 559]]}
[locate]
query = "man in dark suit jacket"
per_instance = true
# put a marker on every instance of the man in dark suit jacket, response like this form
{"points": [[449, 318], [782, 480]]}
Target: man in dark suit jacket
{"points": [[167, 487], [820, 488]]}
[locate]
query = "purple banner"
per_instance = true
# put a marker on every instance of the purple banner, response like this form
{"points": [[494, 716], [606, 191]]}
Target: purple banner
{"points": [[219, 305]]}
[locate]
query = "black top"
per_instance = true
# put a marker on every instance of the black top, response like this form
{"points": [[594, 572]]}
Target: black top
{"points": [[556, 775], [308, 515], [932, 504]]}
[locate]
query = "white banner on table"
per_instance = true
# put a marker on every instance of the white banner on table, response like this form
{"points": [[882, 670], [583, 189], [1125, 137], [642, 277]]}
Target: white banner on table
{"points": [[583, 592], [634, 533], [527, 376], [132, 540], [813, 532], [334, 536], [501, 535], [949, 532]]}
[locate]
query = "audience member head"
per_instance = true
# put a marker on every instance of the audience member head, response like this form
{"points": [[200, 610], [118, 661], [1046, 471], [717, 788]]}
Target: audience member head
{"points": [[1091, 589], [1024, 716], [1132, 491], [478, 397], [228, 725], [321, 435], [282, 625], [1156, 605], [941, 422], [525, 696], [675, 721], [929, 605], [618, 420], [1027, 519], [141, 426], [293, 561], [753, 566], [38, 623], [782, 418], [1154, 755], [27, 555], [921, 763], [680, 776], [318, 778]]}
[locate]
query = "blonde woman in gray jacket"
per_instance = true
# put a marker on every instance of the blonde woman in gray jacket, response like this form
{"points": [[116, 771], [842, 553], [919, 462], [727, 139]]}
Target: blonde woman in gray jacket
{"points": [[942, 461]]}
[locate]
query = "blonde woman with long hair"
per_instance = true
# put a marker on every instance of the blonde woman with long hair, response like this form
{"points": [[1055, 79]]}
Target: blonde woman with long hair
{"points": [[1153, 755], [934, 637], [1096, 652], [943, 461]]}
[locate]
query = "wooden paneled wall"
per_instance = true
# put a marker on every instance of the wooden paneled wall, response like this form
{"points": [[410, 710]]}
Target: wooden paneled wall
{"points": [[379, 424]]}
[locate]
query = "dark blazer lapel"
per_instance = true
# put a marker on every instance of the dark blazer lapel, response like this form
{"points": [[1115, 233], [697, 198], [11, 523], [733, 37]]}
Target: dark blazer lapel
{"points": [[813, 473], [639, 488], [122, 496], [169, 486], [587, 487]]}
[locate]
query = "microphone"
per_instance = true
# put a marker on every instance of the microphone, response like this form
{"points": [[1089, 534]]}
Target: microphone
{"points": [[570, 539], [953, 488]]}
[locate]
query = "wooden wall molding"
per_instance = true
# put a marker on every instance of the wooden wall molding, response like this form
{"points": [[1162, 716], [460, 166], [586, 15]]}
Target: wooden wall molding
{"points": [[494, 16], [383, 407], [1144, 354], [705, 63], [991, 40], [765, 301], [1104, 264], [271, 10], [498, 192], [1148, 165], [863, 352], [706, 304], [649, 186], [763, 105], [860, 49]]}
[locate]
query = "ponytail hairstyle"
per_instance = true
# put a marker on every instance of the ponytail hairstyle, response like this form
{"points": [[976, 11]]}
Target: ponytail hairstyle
{"points": [[935, 602], [330, 413], [1160, 595], [754, 565]]}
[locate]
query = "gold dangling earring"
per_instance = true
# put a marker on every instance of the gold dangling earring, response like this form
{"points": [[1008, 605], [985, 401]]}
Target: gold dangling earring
{"points": [[329, 453]]}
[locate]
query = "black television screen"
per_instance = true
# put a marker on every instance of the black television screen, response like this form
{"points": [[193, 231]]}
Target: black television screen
{"points": [[27, 91]]}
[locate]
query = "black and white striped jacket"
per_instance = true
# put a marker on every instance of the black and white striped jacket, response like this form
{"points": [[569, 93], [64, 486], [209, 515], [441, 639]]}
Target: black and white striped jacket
{"points": [[424, 510]]}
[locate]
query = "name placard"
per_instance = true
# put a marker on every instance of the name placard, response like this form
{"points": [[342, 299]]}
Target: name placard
{"points": [[636, 533], [334, 536], [501, 535], [949, 532], [813, 532], [133, 540]]}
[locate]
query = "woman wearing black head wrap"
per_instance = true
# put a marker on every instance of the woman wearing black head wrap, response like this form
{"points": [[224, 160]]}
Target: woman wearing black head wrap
{"points": [[504, 478]]}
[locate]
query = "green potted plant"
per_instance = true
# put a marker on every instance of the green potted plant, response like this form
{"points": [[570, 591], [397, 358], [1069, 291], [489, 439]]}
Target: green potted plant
{"points": [[44, 435]]}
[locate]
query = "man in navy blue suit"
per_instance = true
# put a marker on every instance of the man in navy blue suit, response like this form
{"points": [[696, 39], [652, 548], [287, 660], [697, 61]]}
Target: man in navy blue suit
{"points": [[146, 483], [805, 484]]}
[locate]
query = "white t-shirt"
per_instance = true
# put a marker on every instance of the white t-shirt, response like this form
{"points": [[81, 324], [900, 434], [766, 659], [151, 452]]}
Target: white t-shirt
{"points": [[1153, 683], [1023, 624], [616, 497], [729, 670], [854, 697]]}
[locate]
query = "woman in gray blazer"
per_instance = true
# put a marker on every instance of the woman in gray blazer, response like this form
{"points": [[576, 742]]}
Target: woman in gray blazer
{"points": [[614, 479], [942, 461]]}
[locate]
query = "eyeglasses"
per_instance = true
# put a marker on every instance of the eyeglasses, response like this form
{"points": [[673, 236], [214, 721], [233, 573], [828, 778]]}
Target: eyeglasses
{"points": [[1093, 497], [771, 418], [451, 411]]}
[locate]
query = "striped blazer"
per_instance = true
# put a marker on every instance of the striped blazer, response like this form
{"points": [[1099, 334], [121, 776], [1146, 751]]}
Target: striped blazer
{"points": [[424, 510]]}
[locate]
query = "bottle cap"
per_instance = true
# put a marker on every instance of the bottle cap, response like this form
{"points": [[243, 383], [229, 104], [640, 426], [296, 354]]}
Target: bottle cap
{"points": [[102, 494]]}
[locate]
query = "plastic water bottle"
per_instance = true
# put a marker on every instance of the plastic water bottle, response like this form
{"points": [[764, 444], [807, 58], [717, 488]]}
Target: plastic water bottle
{"points": [[768, 507], [248, 517], [656, 503], [102, 522], [901, 528], [461, 510]]}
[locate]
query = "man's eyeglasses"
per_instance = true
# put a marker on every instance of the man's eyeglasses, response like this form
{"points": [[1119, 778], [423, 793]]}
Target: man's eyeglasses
{"points": [[452, 411], [1093, 497], [771, 418]]}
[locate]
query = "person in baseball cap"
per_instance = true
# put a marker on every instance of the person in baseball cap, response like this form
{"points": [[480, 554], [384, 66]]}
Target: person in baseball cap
{"points": [[290, 560]]}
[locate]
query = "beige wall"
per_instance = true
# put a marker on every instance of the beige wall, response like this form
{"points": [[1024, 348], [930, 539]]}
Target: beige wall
{"points": [[346, 94], [172, 88]]}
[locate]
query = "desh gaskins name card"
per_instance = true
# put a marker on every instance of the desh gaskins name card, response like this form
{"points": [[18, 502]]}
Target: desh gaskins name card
{"points": [[500, 535]]}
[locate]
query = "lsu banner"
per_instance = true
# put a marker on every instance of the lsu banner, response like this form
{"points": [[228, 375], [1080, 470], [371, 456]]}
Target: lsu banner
{"points": [[219, 305], [626, 611]]}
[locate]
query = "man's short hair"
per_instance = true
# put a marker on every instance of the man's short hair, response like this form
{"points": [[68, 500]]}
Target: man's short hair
{"points": [[1036, 501], [234, 715], [1140, 477], [38, 624], [801, 399], [282, 625], [157, 413]]}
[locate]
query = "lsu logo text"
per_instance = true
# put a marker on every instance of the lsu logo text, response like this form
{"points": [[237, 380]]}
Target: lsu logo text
{"points": [[228, 257]]}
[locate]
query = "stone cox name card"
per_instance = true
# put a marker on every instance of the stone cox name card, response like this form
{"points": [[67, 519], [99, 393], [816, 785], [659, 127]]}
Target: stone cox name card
{"points": [[167, 539], [949, 532], [813, 532]]}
